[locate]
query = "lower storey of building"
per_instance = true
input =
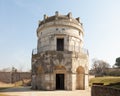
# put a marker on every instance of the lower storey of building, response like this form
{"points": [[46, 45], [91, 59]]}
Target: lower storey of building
{"points": [[60, 81]]}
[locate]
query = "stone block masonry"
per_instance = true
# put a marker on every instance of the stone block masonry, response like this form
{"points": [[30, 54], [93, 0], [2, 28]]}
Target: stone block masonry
{"points": [[60, 62], [11, 77], [104, 91]]}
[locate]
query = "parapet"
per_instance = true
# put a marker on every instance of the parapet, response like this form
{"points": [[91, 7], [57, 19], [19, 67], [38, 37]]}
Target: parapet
{"points": [[58, 17]]}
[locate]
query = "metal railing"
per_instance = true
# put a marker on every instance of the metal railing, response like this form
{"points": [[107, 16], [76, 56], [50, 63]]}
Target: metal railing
{"points": [[53, 48]]}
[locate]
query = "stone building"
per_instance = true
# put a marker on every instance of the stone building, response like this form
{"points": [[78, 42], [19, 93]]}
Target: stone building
{"points": [[60, 62]]}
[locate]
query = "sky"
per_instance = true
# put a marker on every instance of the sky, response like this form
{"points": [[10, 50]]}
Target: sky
{"points": [[19, 21]]}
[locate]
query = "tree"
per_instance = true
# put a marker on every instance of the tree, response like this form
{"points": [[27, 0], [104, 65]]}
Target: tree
{"points": [[99, 67], [117, 62], [8, 69]]}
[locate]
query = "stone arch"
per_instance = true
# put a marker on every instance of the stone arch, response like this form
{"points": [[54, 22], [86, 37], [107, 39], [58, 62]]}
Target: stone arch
{"points": [[59, 67], [80, 78]]}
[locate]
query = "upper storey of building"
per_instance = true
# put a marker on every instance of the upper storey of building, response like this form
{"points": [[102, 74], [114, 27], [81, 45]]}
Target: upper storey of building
{"points": [[60, 33], [60, 20]]}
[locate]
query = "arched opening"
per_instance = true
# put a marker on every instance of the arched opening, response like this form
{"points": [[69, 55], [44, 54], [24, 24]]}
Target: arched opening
{"points": [[80, 78]]}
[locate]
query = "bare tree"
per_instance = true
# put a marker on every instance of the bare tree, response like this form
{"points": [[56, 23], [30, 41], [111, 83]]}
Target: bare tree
{"points": [[8, 69], [99, 67]]}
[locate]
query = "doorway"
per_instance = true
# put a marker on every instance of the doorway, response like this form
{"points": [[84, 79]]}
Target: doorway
{"points": [[59, 81]]}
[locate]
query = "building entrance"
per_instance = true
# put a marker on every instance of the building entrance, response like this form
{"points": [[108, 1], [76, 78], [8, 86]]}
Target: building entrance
{"points": [[60, 81]]}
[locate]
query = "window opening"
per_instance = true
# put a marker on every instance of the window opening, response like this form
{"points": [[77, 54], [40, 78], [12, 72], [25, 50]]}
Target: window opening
{"points": [[60, 44]]}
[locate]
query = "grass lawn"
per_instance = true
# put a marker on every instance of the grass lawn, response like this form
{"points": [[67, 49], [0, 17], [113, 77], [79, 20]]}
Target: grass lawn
{"points": [[1, 88], [105, 80], [116, 86], [5, 85]]}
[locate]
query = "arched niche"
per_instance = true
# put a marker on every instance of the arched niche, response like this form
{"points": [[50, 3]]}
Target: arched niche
{"points": [[39, 70], [80, 78]]}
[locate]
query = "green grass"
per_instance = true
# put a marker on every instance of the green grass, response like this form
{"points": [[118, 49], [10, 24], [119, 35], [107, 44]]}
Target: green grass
{"points": [[116, 86], [105, 80], [2, 88], [17, 84]]}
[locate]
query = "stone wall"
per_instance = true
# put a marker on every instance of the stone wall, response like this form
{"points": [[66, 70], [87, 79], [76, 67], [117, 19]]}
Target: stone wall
{"points": [[73, 40], [5, 77], [60, 61], [47, 64], [104, 91], [9, 77]]}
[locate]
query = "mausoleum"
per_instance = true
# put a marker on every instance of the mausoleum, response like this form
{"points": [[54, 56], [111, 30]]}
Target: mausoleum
{"points": [[60, 62]]}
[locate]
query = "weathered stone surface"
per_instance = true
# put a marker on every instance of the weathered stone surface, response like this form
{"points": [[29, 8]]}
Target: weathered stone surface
{"points": [[60, 61], [98, 90]]}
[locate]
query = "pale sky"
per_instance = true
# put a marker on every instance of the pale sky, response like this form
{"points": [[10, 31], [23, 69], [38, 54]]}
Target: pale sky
{"points": [[19, 21]]}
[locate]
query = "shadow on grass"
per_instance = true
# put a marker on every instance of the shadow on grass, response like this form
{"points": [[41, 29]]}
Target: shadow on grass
{"points": [[16, 89]]}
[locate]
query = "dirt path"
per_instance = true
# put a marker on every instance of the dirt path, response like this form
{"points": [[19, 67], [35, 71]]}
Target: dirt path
{"points": [[26, 91]]}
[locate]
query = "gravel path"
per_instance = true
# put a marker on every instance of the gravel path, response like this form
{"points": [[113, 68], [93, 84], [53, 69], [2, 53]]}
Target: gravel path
{"points": [[26, 91]]}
